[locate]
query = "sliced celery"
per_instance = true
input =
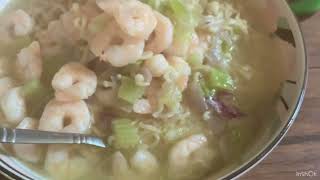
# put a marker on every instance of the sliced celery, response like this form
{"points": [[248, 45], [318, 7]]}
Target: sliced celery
{"points": [[195, 60], [180, 11], [205, 89], [125, 133], [129, 90], [155, 4], [217, 79], [171, 96], [185, 17], [183, 35]]}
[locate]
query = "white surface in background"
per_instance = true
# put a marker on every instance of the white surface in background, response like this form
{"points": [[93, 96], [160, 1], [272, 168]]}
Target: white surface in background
{"points": [[3, 4]]}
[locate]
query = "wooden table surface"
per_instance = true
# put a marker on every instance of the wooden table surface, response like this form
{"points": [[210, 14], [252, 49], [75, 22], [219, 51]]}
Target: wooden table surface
{"points": [[299, 152]]}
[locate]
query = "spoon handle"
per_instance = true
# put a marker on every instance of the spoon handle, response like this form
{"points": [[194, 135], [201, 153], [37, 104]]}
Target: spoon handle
{"points": [[26, 136]]}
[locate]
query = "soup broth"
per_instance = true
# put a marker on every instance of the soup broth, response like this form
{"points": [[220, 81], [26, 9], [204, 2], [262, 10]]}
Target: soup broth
{"points": [[178, 89]]}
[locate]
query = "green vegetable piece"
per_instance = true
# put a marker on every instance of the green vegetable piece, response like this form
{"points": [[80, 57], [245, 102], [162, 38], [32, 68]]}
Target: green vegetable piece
{"points": [[182, 37], [185, 17], [155, 4], [195, 60], [217, 79], [226, 47], [129, 90], [205, 89], [197, 11], [171, 96], [31, 87], [125, 133], [180, 11]]}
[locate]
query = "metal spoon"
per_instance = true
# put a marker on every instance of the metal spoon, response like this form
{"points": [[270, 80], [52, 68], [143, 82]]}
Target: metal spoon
{"points": [[26, 136]]}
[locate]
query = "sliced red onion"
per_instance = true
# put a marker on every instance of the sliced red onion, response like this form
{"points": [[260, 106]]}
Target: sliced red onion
{"points": [[220, 105]]}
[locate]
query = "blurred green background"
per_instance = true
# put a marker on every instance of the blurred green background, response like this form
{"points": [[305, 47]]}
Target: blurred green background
{"points": [[304, 7]]}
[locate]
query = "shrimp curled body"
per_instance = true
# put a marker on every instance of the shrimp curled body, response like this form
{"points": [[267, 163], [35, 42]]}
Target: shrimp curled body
{"points": [[29, 62], [13, 105], [71, 117], [122, 55], [74, 82], [116, 47], [134, 18], [180, 154], [163, 34]]}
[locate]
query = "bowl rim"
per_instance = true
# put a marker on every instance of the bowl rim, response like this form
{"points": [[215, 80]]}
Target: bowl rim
{"points": [[11, 173]]}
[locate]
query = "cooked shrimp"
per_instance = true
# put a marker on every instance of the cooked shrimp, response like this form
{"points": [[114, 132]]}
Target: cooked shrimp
{"points": [[75, 21], [162, 36], [180, 154], [28, 152], [74, 82], [72, 117], [108, 6], [127, 53], [29, 62], [90, 9], [183, 69], [17, 23], [144, 162], [101, 41], [157, 65], [13, 105], [135, 18], [115, 47], [119, 164], [22, 23], [6, 83], [142, 106], [70, 28]]}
